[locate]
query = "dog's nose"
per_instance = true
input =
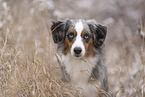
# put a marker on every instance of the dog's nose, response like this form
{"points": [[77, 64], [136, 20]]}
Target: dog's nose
{"points": [[77, 50]]}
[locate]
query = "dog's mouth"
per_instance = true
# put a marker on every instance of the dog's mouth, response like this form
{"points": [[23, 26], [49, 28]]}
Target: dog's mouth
{"points": [[77, 55]]}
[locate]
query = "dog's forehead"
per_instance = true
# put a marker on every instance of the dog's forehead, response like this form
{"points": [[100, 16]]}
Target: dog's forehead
{"points": [[79, 25], [78, 22]]}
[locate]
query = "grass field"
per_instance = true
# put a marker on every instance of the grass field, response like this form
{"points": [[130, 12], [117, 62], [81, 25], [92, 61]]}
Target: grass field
{"points": [[28, 66]]}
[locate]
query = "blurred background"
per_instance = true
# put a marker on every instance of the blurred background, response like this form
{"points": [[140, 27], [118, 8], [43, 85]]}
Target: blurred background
{"points": [[27, 53]]}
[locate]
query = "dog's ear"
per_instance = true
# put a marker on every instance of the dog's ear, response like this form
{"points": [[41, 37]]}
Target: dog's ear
{"points": [[59, 29], [99, 33]]}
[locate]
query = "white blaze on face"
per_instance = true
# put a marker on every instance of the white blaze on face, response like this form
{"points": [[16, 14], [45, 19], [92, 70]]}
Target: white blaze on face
{"points": [[79, 27], [78, 42]]}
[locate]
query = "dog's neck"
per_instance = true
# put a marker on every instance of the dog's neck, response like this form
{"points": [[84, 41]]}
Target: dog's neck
{"points": [[79, 69]]}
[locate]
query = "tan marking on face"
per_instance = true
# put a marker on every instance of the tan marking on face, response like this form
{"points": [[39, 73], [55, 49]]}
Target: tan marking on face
{"points": [[68, 44], [89, 48], [84, 32], [74, 32]]}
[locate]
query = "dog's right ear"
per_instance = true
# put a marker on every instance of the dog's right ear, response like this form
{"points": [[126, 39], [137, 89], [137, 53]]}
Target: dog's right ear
{"points": [[59, 29]]}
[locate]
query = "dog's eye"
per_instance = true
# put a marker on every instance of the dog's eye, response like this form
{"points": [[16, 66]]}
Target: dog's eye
{"points": [[86, 37], [70, 36]]}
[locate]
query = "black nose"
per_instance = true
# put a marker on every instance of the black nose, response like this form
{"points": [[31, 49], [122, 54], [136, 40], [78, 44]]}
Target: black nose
{"points": [[77, 50]]}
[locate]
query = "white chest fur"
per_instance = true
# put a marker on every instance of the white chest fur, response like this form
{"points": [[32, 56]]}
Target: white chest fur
{"points": [[80, 71]]}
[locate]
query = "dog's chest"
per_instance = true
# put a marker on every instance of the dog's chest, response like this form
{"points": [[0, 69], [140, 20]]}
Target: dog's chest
{"points": [[79, 70]]}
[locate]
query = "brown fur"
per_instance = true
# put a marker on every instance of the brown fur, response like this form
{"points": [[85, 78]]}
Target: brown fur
{"points": [[68, 44], [89, 48]]}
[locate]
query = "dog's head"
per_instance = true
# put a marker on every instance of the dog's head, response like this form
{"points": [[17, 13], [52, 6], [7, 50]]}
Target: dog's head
{"points": [[78, 37]]}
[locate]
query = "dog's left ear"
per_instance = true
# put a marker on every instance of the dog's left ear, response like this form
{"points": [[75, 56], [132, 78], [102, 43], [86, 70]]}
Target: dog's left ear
{"points": [[99, 34]]}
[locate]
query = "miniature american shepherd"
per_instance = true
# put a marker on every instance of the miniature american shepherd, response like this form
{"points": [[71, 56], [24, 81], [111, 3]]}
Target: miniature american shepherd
{"points": [[80, 43]]}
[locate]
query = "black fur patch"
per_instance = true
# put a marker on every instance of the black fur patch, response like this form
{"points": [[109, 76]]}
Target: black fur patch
{"points": [[59, 30], [99, 34]]}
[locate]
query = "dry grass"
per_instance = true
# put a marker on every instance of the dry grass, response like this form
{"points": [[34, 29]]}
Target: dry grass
{"points": [[27, 54]]}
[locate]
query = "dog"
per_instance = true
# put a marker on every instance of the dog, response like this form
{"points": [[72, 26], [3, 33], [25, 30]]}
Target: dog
{"points": [[80, 43]]}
